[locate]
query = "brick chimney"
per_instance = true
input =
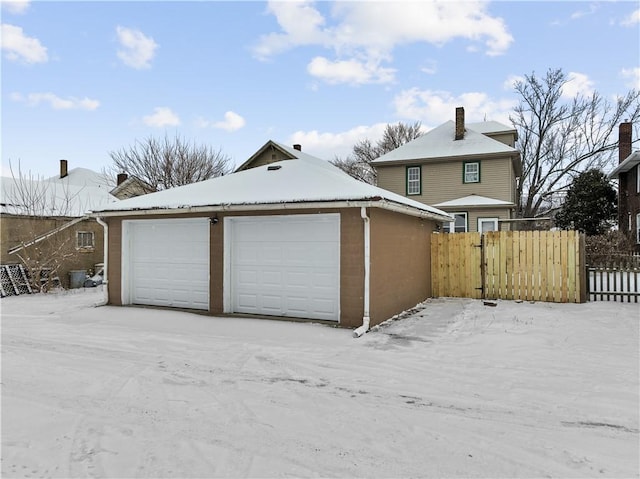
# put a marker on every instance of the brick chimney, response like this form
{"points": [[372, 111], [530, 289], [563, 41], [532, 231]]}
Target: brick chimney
{"points": [[459, 123], [64, 171], [624, 141], [122, 177], [297, 146]]}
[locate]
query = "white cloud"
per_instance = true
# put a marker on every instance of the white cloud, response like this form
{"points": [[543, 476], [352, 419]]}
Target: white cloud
{"points": [[15, 6], [436, 107], [301, 24], [328, 145], [633, 77], [577, 83], [510, 82], [430, 68], [349, 71], [365, 33], [593, 8], [19, 47], [232, 122], [632, 19], [138, 49], [55, 102], [161, 117]]}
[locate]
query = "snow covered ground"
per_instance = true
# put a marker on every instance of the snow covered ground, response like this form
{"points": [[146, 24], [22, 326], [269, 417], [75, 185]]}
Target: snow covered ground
{"points": [[455, 389]]}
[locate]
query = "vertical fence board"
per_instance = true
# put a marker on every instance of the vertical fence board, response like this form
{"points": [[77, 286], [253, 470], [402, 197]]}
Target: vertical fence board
{"points": [[532, 266]]}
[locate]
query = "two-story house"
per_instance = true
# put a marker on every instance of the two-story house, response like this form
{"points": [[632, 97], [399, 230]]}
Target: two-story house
{"points": [[468, 170], [628, 174]]}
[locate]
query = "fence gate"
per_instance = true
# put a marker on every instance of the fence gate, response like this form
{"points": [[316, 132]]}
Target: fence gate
{"points": [[519, 265], [456, 265]]}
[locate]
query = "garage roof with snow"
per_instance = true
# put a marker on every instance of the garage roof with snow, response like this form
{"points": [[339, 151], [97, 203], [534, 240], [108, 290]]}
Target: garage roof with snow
{"points": [[306, 180]]}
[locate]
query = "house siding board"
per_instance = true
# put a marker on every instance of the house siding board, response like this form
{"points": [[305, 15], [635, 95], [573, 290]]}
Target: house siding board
{"points": [[442, 181], [506, 138], [400, 263]]}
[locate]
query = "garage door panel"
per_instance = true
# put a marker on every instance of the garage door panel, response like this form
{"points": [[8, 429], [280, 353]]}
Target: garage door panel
{"points": [[292, 261], [169, 262], [271, 278]]}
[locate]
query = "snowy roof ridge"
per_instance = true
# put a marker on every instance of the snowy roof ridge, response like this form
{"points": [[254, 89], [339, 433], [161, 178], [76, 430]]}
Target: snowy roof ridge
{"points": [[74, 195], [439, 143], [473, 200], [307, 181]]}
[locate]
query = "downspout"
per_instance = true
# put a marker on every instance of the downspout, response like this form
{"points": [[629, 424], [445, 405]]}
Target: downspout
{"points": [[367, 266], [105, 247]]}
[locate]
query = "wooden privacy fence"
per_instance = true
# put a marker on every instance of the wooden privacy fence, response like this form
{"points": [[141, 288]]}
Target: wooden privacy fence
{"points": [[519, 265]]}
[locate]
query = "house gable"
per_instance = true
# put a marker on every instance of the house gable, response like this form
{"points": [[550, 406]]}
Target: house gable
{"points": [[270, 152]]}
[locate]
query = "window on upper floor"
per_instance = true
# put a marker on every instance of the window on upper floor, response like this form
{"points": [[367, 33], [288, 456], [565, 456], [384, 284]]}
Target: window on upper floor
{"points": [[638, 179], [471, 172], [457, 226], [414, 180]]}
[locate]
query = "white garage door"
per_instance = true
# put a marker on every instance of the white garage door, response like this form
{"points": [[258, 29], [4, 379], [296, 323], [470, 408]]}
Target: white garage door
{"points": [[167, 262], [284, 265]]}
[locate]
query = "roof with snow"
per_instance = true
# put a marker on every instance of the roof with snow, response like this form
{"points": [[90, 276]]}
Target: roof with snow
{"points": [[74, 195], [310, 180], [629, 162], [439, 144], [491, 127], [473, 200]]}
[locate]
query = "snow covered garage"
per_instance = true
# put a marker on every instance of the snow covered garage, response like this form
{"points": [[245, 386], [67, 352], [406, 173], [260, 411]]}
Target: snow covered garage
{"points": [[295, 238]]}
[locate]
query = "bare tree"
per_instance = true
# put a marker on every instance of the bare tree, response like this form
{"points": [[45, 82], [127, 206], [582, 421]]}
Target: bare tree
{"points": [[170, 162], [559, 139], [358, 163], [42, 211]]}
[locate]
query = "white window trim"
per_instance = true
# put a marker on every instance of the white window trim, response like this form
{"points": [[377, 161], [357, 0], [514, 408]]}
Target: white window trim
{"points": [[451, 226], [483, 220], [638, 228], [476, 173], [416, 182]]}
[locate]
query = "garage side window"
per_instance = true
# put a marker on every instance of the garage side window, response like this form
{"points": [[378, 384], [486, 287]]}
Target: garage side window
{"points": [[84, 240], [414, 180]]}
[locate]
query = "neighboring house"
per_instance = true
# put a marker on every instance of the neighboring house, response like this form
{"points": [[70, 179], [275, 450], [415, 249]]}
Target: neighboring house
{"points": [[271, 152], [43, 222], [130, 187], [469, 171], [298, 239], [628, 174]]}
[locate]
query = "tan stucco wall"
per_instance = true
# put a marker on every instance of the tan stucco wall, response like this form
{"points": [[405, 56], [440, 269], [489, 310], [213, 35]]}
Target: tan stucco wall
{"points": [[15, 229], [400, 262], [442, 181]]}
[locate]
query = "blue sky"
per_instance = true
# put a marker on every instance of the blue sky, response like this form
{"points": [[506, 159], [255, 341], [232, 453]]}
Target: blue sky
{"points": [[81, 79]]}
